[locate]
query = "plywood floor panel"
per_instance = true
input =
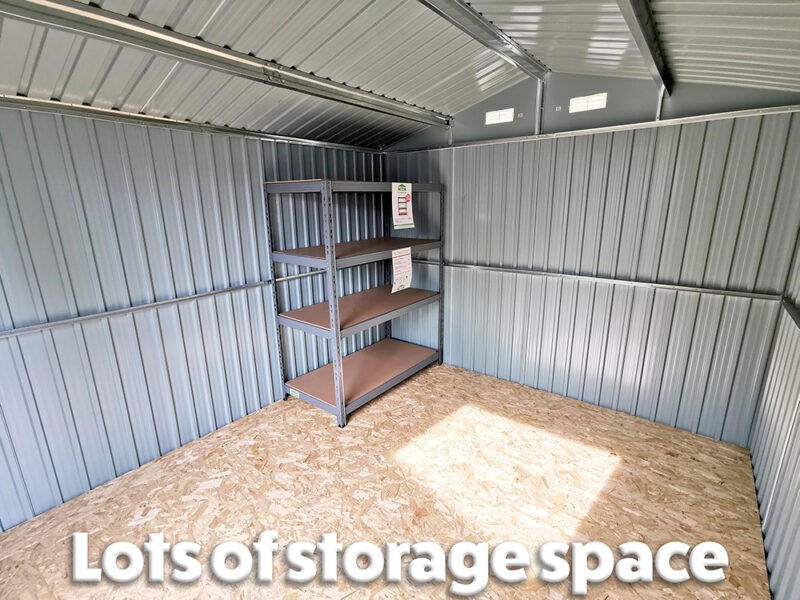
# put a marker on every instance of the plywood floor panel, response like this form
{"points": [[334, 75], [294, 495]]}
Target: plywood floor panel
{"points": [[448, 455]]}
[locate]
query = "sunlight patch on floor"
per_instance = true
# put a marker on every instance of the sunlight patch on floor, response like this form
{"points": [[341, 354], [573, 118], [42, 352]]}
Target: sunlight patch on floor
{"points": [[506, 479]]}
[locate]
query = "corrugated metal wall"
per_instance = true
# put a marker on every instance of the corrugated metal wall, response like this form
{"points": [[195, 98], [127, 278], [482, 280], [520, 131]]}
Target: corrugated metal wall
{"points": [[710, 204], [97, 217], [775, 447], [296, 222]]}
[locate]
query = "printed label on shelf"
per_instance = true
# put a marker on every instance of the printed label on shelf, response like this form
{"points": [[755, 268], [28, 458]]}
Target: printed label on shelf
{"points": [[402, 212], [401, 269], [294, 393]]}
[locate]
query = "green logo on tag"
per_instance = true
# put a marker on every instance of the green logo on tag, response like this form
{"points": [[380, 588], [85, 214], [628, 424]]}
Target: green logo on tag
{"points": [[401, 187]]}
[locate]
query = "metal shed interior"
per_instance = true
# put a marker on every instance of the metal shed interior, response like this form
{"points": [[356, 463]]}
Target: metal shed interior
{"points": [[644, 258]]}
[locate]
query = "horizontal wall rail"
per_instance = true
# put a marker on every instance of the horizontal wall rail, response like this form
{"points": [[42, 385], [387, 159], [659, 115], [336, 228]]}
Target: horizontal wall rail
{"points": [[127, 310], [642, 284], [750, 112], [114, 115], [628, 282]]}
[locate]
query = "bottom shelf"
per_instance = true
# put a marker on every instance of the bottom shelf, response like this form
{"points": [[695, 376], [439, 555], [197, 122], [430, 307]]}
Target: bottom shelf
{"points": [[367, 374]]}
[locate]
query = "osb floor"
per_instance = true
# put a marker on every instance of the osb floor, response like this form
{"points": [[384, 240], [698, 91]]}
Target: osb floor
{"points": [[448, 455]]}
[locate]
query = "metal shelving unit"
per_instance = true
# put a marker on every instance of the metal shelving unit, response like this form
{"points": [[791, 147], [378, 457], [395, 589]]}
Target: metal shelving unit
{"points": [[348, 383]]}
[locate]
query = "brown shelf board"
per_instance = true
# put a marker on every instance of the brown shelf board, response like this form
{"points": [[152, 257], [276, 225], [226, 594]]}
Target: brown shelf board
{"points": [[358, 311], [367, 373], [349, 254]]}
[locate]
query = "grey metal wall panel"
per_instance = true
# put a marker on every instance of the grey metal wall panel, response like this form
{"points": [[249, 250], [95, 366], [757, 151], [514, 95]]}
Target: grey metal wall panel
{"points": [[705, 204], [614, 345], [775, 447], [97, 216], [421, 326]]}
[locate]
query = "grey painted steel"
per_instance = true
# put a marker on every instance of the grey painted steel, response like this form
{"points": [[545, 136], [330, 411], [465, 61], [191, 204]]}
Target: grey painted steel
{"points": [[471, 22], [315, 186], [708, 204], [686, 360], [39, 327], [100, 217], [328, 227], [123, 230], [440, 276], [793, 280], [660, 105], [331, 265], [119, 116], [296, 223], [627, 101], [750, 112], [346, 262], [590, 278], [443, 68], [643, 28], [570, 36], [334, 410], [299, 275], [537, 126], [792, 311], [705, 204], [775, 449], [752, 44], [324, 332], [88, 20]]}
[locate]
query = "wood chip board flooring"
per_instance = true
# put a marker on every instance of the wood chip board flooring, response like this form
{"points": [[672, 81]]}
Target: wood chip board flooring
{"points": [[447, 455]]}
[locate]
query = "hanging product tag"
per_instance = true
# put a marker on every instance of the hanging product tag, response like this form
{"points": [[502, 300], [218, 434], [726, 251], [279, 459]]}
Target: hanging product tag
{"points": [[402, 213], [401, 269]]}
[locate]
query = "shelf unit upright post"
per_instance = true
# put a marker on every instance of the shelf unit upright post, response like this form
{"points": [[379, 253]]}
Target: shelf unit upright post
{"points": [[442, 217], [383, 364], [331, 292]]}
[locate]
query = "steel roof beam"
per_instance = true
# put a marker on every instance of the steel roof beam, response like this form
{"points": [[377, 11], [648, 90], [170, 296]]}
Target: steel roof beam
{"points": [[642, 25], [470, 21], [68, 15]]}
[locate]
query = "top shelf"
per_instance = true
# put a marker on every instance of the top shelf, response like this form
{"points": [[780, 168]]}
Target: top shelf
{"points": [[307, 186]]}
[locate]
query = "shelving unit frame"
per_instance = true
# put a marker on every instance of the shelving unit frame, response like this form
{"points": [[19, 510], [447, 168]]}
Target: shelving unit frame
{"points": [[352, 254]]}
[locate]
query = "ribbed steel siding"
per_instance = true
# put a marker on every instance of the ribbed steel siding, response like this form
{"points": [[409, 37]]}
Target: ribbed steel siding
{"points": [[775, 447], [688, 360], [296, 223], [710, 204], [421, 326], [79, 70], [752, 44], [96, 216], [571, 36], [398, 49], [706, 205]]}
